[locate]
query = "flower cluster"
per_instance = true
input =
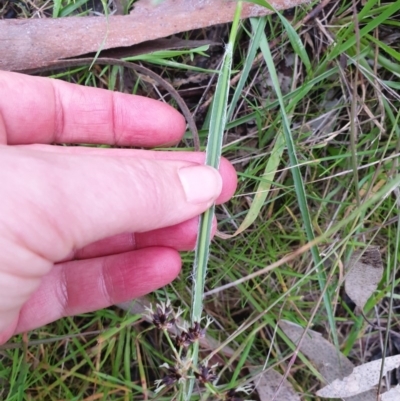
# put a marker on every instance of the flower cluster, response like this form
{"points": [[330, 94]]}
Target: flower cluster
{"points": [[163, 317], [192, 334], [175, 374], [233, 394], [205, 374]]}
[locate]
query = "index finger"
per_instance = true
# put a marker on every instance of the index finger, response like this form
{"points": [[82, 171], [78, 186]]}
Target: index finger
{"points": [[44, 110]]}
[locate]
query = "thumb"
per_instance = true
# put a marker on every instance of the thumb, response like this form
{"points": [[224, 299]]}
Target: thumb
{"points": [[59, 202]]}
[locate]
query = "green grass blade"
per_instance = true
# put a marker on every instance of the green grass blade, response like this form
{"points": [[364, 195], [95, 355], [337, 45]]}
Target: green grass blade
{"points": [[255, 43], [294, 38], [374, 23], [265, 184], [296, 42], [167, 54], [56, 8], [70, 8], [213, 156], [298, 184], [388, 49]]}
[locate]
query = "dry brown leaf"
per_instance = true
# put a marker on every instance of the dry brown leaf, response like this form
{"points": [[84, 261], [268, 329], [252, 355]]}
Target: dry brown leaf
{"points": [[267, 386], [363, 378], [32, 43], [330, 363], [363, 273]]}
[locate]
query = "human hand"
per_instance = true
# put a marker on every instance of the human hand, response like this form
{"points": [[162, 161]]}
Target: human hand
{"points": [[84, 228]]}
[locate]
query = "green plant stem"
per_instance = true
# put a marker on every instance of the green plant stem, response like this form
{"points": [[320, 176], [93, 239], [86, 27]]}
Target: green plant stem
{"points": [[213, 156]]}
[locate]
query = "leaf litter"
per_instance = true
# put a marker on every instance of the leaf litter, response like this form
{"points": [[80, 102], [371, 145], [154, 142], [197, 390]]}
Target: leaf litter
{"points": [[329, 362], [363, 273], [346, 381], [392, 395], [363, 378], [267, 387]]}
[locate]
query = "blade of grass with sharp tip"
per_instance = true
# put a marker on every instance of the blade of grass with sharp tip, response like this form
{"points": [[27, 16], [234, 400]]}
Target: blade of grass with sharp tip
{"points": [[248, 64], [294, 38], [369, 27], [298, 184], [258, 25], [213, 157]]}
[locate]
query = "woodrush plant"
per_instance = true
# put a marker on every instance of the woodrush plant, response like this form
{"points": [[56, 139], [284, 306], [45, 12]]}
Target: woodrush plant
{"points": [[219, 116], [184, 370], [187, 368], [120, 362]]}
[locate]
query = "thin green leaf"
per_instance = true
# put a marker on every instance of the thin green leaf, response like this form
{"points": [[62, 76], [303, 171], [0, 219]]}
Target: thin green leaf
{"points": [[248, 64], [170, 63], [294, 38], [296, 42], [261, 3], [349, 31], [70, 8], [213, 157], [265, 184], [171, 53], [374, 23], [56, 8], [298, 183]]}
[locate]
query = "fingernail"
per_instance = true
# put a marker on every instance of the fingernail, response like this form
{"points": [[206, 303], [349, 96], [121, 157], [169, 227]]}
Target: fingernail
{"points": [[201, 183]]}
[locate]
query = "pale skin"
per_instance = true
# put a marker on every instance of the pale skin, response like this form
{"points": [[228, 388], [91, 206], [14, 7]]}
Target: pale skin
{"points": [[84, 228]]}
